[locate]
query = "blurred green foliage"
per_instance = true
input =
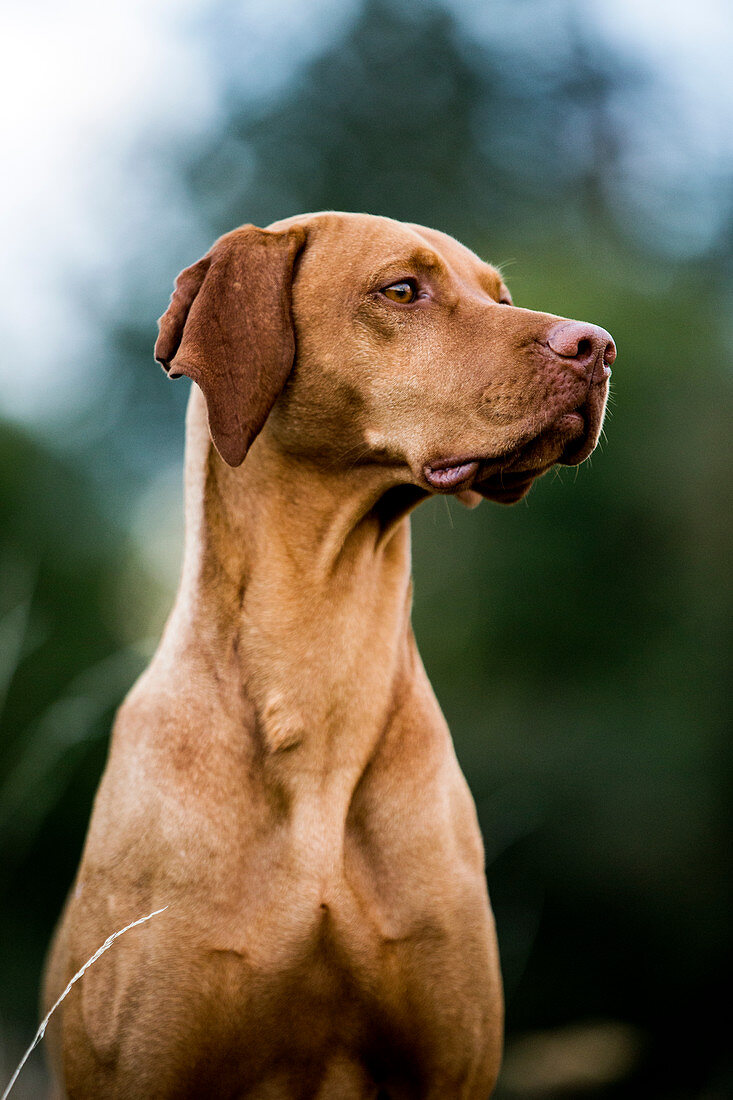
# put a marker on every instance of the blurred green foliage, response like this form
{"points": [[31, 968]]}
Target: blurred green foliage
{"points": [[577, 641]]}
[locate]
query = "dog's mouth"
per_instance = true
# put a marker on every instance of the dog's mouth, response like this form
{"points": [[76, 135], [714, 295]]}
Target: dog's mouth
{"points": [[567, 440], [472, 480]]}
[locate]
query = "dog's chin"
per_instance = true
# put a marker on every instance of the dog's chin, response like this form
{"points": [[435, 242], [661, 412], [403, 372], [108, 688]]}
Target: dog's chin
{"points": [[507, 488]]}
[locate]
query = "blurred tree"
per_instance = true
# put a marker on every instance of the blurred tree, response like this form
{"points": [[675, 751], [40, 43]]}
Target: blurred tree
{"points": [[408, 117], [62, 673]]}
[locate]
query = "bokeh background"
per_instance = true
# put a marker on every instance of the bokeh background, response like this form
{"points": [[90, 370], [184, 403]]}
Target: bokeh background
{"points": [[578, 642]]}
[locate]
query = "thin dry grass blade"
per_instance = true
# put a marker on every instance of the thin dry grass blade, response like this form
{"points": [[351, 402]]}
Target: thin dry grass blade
{"points": [[44, 1023]]}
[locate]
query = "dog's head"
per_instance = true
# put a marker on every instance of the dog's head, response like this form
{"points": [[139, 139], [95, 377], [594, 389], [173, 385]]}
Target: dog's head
{"points": [[368, 341]]}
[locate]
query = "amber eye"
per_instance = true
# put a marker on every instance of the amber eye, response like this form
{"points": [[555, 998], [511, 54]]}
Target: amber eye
{"points": [[403, 292]]}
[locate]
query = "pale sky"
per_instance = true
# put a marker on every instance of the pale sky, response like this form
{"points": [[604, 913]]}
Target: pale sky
{"points": [[79, 81]]}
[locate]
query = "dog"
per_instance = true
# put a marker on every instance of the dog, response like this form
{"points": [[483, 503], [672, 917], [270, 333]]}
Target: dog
{"points": [[281, 778]]}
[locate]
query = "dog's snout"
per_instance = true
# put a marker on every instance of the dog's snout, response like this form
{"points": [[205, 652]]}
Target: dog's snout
{"points": [[584, 344]]}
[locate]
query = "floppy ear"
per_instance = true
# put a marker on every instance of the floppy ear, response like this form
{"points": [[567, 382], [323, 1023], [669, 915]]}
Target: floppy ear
{"points": [[229, 328]]}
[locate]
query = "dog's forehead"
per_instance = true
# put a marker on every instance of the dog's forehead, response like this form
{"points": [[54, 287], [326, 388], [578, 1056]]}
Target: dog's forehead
{"points": [[353, 242]]}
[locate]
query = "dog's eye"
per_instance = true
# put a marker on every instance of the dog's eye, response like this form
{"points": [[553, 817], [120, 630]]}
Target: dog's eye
{"points": [[403, 292]]}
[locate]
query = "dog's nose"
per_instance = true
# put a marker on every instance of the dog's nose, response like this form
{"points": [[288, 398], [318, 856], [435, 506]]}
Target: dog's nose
{"points": [[582, 343]]}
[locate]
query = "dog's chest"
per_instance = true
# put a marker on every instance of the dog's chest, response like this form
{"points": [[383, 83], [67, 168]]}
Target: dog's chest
{"points": [[309, 933], [314, 892]]}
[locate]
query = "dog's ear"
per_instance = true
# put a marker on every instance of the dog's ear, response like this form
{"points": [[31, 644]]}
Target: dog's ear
{"points": [[229, 328]]}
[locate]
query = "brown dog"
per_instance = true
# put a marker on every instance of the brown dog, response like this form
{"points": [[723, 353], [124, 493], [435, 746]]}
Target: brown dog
{"points": [[281, 777]]}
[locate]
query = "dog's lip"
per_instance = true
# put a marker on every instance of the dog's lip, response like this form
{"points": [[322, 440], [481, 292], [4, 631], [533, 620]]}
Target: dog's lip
{"points": [[450, 474], [504, 472], [457, 475], [454, 472]]}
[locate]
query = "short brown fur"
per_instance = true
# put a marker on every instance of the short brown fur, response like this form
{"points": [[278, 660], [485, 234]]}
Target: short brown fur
{"points": [[281, 777]]}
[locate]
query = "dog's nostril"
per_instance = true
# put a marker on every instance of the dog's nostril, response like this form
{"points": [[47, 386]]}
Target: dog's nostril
{"points": [[583, 343]]}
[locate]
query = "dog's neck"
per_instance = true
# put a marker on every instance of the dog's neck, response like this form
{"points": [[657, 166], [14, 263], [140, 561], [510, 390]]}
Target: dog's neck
{"points": [[296, 593]]}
